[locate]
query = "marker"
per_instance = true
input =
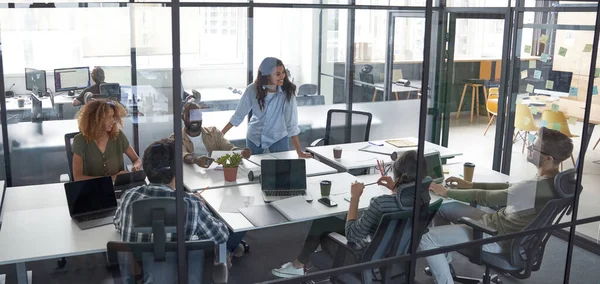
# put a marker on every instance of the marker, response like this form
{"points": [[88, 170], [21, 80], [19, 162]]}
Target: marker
{"points": [[375, 144]]}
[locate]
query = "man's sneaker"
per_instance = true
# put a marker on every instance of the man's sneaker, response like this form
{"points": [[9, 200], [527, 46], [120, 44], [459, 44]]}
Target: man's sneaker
{"points": [[287, 271], [239, 251]]}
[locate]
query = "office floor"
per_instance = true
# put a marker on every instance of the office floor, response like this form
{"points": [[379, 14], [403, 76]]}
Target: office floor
{"points": [[468, 138]]}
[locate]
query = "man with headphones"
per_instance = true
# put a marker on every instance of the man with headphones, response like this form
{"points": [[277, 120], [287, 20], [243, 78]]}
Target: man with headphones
{"points": [[98, 78]]}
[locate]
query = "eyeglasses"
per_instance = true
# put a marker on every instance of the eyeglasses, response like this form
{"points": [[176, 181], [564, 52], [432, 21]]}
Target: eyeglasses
{"points": [[532, 148]]}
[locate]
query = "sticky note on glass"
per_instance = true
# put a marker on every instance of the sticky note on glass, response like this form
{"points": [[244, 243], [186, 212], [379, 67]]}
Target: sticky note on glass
{"points": [[572, 92], [544, 123], [544, 57], [532, 63], [529, 88], [534, 110], [556, 126], [528, 49], [530, 137], [572, 120], [597, 73], [537, 74], [549, 85], [587, 48], [555, 107], [543, 38], [523, 74], [562, 51], [595, 91]]}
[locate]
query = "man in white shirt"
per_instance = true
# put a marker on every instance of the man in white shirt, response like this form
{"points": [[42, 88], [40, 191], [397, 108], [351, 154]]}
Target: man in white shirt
{"points": [[199, 142]]}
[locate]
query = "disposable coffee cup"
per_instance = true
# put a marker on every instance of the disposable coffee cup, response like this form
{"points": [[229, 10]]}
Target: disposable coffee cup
{"points": [[325, 188], [337, 152], [21, 102], [468, 170]]}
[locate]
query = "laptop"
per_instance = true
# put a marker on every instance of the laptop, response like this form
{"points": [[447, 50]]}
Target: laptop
{"points": [[129, 180], [283, 178], [434, 167], [92, 202]]}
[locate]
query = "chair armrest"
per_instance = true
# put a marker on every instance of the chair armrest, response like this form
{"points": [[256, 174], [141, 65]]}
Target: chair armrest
{"points": [[316, 142], [344, 247], [477, 227], [220, 273]]}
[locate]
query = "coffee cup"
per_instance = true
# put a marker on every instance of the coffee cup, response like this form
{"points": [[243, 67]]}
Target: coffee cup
{"points": [[21, 102], [325, 188], [337, 152], [468, 170]]}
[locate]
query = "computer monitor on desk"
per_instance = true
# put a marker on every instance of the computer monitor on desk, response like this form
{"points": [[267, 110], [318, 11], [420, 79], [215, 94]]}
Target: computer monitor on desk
{"points": [[71, 79], [35, 80], [561, 79]]}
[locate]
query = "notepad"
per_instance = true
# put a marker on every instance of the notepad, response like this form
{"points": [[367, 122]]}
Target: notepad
{"points": [[401, 143]]}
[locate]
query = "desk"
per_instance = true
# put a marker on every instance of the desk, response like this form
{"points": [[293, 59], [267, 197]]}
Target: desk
{"points": [[313, 166], [551, 93], [353, 158], [219, 99], [196, 178]]}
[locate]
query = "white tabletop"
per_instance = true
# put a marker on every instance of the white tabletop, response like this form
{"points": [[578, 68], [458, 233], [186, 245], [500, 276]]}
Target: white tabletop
{"points": [[34, 197], [551, 93], [313, 167], [197, 178], [218, 94], [238, 223]]}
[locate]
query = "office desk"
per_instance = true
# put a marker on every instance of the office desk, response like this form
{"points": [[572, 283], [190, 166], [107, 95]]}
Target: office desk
{"points": [[31, 233], [313, 166], [196, 178], [353, 158], [238, 223]]}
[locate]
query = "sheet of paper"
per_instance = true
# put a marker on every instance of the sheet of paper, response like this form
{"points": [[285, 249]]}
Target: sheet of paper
{"points": [[555, 107], [549, 85], [523, 74], [543, 38], [534, 110], [532, 63], [572, 120], [231, 203], [544, 57], [544, 123], [587, 48], [562, 51], [537, 74], [530, 137], [595, 90], [529, 88], [528, 49], [573, 92], [556, 126]]}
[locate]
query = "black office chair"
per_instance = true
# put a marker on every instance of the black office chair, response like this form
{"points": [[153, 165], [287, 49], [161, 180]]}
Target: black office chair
{"points": [[335, 130], [526, 253], [365, 76], [69, 149], [140, 262], [110, 91], [392, 238], [308, 90]]}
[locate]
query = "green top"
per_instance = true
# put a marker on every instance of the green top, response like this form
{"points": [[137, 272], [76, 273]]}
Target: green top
{"points": [[523, 201], [96, 163]]}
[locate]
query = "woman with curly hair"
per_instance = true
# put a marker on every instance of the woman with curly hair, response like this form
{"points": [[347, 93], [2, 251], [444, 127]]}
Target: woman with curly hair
{"points": [[98, 149]]}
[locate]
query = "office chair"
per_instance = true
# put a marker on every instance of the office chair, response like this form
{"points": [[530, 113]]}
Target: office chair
{"points": [[335, 130], [111, 91], [392, 238], [308, 90], [366, 77], [524, 123], [492, 106], [526, 253], [69, 149], [157, 260]]}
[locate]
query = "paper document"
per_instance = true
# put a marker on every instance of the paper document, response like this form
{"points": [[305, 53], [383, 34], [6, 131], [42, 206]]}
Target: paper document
{"points": [[231, 203], [401, 143]]}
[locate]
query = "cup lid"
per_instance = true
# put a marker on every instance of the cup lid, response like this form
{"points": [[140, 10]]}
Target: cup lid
{"points": [[468, 164], [325, 182]]}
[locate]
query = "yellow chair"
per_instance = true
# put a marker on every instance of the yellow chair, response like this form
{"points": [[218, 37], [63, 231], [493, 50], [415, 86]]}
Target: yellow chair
{"points": [[524, 124], [558, 119], [492, 106]]}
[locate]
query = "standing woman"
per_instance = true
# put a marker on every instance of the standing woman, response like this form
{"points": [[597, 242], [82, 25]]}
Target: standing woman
{"points": [[98, 150], [272, 100]]}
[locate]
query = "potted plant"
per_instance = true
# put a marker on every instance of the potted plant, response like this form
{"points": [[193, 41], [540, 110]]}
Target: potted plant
{"points": [[230, 163]]}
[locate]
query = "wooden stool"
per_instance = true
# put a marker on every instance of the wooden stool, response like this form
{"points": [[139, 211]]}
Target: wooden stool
{"points": [[474, 98]]}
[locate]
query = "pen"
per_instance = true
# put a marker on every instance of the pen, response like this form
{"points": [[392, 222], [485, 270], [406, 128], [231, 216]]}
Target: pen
{"points": [[375, 144], [199, 193]]}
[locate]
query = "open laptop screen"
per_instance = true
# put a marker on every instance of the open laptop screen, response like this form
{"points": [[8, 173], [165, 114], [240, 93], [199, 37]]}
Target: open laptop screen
{"points": [[434, 166], [90, 195], [283, 174]]}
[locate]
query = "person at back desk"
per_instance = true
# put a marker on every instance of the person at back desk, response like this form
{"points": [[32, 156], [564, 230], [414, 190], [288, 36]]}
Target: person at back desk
{"points": [[199, 142], [98, 78], [98, 150], [523, 203]]}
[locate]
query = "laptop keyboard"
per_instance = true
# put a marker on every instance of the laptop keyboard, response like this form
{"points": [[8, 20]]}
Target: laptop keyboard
{"points": [[95, 216], [285, 192]]}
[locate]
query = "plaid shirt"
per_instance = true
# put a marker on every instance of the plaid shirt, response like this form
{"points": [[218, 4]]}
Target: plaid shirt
{"points": [[200, 222]]}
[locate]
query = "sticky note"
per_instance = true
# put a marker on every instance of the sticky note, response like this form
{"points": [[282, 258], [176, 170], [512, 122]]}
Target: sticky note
{"points": [[530, 137], [597, 73], [523, 74], [544, 57], [529, 88], [543, 38], [519, 100], [537, 74], [528, 49], [556, 126], [532, 63], [549, 85], [555, 107], [544, 123], [562, 51], [526, 120], [595, 91], [587, 48], [572, 120], [534, 110], [572, 92]]}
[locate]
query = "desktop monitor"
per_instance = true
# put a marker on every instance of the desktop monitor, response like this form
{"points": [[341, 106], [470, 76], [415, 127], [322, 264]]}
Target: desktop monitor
{"points": [[35, 79], [70, 79], [561, 79], [117, 74]]}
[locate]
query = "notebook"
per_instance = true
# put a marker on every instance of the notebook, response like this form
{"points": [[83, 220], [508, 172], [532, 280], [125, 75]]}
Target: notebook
{"points": [[401, 143]]}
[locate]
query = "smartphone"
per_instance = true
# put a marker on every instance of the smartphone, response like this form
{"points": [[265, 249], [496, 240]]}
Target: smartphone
{"points": [[327, 202]]}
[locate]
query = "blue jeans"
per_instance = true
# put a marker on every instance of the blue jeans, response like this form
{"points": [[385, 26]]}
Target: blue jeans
{"points": [[234, 240], [279, 146]]}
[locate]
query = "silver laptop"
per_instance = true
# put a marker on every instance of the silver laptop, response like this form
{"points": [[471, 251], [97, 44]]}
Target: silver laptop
{"points": [[92, 202], [434, 166], [283, 178]]}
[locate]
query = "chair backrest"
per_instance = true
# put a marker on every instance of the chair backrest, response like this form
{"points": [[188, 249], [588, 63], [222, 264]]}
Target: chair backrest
{"points": [[527, 252], [335, 131], [110, 91], [524, 119], [492, 101], [307, 90], [69, 149], [557, 121]]}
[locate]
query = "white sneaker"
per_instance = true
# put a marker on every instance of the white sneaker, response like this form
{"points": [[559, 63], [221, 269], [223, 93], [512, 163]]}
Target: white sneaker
{"points": [[287, 271]]}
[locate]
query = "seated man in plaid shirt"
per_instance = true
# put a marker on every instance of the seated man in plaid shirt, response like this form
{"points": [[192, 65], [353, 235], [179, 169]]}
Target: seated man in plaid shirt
{"points": [[159, 166]]}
